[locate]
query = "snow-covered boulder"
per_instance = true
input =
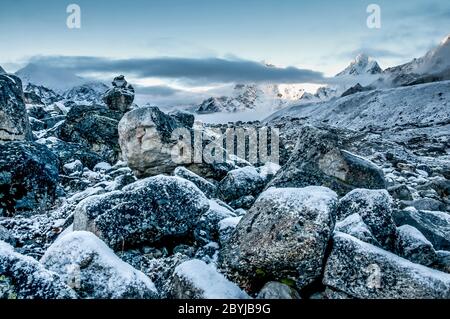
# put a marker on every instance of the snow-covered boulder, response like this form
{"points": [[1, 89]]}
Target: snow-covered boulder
{"points": [[14, 124], [145, 212], [284, 235], [435, 226], [23, 277], [241, 182], [320, 159], [94, 271], [375, 209], [194, 279], [207, 228], [365, 271], [102, 167], [28, 177], [277, 290], [208, 188], [412, 245], [121, 96], [354, 225]]}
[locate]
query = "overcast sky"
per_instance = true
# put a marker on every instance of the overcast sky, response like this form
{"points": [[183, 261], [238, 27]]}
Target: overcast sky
{"points": [[182, 40]]}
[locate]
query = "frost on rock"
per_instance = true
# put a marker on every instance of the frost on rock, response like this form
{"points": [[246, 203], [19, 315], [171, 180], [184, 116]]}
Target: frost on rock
{"points": [[435, 226], [145, 212], [412, 245], [195, 279], [284, 235], [227, 227], [205, 186], [94, 271], [375, 209], [365, 271], [207, 228], [241, 182], [355, 226], [23, 277]]}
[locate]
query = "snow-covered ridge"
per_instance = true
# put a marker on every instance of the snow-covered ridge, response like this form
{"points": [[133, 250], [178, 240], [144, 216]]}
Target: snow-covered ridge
{"points": [[420, 105]]}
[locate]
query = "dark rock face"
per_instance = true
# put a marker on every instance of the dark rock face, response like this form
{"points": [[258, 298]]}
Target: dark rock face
{"points": [[22, 277], [69, 152], [320, 159], [435, 226], [121, 96], [145, 212], [355, 89], [14, 124], [375, 209], [412, 245], [364, 271], [94, 127], [284, 235], [401, 192], [28, 177]]}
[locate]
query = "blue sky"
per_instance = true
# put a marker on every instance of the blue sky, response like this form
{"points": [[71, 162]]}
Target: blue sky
{"points": [[318, 36]]}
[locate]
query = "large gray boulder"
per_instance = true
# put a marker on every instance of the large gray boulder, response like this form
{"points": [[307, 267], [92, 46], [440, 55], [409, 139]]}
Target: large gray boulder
{"points": [[121, 96], [320, 159], [435, 226], [194, 279], [14, 123], [148, 211], [365, 271], [375, 209], [94, 271], [22, 277], [284, 235], [28, 177], [146, 141]]}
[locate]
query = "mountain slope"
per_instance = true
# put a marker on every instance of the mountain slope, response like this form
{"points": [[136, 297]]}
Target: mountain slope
{"points": [[420, 105], [432, 67]]}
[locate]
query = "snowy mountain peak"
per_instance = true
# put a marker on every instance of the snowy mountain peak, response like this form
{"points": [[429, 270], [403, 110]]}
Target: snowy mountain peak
{"points": [[362, 64], [2, 71], [446, 40]]}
